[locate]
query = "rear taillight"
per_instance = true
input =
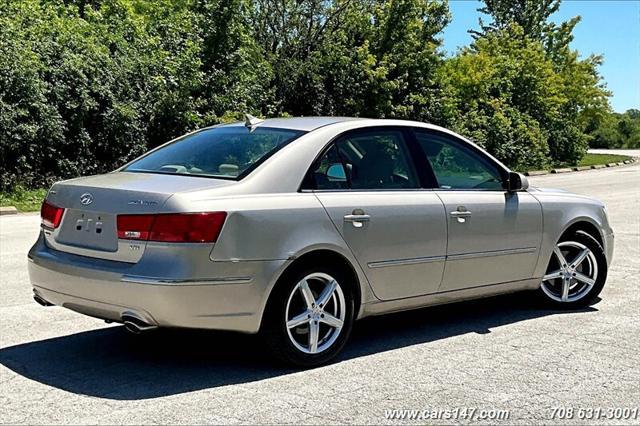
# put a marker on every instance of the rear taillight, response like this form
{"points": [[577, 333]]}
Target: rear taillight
{"points": [[135, 226], [51, 215], [187, 228], [174, 228]]}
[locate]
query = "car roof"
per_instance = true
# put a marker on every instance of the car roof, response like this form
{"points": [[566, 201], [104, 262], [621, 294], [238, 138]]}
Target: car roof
{"points": [[299, 123]]}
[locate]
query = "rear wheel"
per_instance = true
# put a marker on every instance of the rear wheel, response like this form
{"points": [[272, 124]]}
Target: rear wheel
{"points": [[576, 272], [310, 316]]}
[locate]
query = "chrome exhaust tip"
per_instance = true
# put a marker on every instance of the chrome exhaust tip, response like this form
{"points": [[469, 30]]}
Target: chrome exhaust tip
{"points": [[132, 327], [135, 325], [40, 301]]}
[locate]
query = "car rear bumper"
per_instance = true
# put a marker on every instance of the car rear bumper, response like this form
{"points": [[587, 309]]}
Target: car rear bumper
{"points": [[233, 299]]}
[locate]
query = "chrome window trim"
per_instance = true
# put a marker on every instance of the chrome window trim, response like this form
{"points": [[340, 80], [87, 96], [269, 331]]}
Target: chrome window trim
{"points": [[307, 191], [503, 191], [355, 191]]}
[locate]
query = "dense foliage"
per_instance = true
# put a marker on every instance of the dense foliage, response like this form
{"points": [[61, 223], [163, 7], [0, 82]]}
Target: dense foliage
{"points": [[617, 130], [86, 85]]}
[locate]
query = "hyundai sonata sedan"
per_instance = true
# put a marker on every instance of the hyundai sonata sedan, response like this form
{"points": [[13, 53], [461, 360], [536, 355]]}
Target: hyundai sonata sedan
{"points": [[294, 228]]}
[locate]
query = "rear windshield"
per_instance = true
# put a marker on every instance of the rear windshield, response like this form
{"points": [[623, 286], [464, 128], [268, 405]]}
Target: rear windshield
{"points": [[223, 152]]}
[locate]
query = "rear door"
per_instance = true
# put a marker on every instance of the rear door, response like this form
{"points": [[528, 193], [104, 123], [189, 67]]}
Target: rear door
{"points": [[494, 235], [397, 231]]}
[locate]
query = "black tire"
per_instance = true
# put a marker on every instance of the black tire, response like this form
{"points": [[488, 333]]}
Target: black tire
{"points": [[589, 297], [274, 328]]}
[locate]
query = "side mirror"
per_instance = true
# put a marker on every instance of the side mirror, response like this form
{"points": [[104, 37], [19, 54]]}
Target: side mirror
{"points": [[336, 173], [517, 182]]}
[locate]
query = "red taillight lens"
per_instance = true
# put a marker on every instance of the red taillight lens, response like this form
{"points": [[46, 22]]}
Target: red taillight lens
{"points": [[135, 226], [174, 228], [187, 228], [51, 215]]}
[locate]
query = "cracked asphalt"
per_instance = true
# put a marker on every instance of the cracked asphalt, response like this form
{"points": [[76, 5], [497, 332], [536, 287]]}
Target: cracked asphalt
{"points": [[58, 367]]}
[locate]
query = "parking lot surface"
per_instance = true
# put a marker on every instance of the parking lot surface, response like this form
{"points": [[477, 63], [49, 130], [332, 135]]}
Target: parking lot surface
{"points": [[503, 353]]}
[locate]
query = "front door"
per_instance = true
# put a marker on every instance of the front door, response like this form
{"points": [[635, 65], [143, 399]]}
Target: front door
{"points": [[367, 183], [494, 235]]}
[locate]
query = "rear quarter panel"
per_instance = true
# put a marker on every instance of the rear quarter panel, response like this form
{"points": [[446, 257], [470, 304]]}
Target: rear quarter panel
{"points": [[264, 227]]}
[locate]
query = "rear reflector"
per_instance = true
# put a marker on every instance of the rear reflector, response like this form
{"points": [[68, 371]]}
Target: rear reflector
{"points": [[174, 228], [135, 226], [51, 215]]}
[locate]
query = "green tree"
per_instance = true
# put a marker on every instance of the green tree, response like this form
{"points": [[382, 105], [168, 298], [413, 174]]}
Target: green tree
{"points": [[236, 72], [581, 95], [85, 85], [375, 58], [533, 17], [616, 130], [499, 91]]}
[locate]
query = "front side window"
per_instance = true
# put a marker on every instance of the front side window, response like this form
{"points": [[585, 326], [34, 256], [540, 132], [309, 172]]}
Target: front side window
{"points": [[370, 160], [222, 152], [456, 166]]}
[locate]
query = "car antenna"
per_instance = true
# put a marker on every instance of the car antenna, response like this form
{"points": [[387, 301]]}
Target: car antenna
{"points": [[251, 122]]}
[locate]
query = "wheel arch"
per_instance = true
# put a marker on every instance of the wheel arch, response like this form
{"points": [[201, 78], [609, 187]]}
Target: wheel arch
{"points": [[584, 224], [555, 232], [324, 256]]}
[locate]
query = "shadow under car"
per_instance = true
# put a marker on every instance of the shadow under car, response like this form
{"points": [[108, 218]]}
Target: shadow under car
{"points": [[111, 363]]}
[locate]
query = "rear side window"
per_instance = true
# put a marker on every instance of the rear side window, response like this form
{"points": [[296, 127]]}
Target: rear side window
{"points": [[222, 152], [456, 166], [377, 159]]}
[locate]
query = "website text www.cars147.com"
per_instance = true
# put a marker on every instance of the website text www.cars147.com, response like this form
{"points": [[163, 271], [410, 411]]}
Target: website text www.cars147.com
{"points": [[464, 413]]}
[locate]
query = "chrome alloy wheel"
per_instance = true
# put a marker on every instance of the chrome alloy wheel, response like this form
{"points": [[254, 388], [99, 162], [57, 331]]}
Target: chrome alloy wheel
{"points": [[315, 313], [570, 280]]}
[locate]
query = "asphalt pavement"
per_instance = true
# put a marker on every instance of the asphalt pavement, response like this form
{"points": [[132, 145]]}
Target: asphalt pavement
{"points": [[503, 353]]}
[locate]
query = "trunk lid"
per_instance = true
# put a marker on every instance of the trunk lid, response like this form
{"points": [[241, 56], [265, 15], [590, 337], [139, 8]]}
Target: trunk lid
{"points": [[92, 204]]}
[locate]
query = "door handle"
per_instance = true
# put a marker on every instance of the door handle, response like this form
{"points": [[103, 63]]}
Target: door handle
{"points": [[357, 218], [461, 214]]}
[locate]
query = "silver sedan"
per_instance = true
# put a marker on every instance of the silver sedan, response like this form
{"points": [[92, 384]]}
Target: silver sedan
{"points": [[296, 227]]}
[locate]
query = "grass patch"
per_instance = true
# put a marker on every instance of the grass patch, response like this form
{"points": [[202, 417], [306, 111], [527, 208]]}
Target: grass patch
{"points": [[591, 160], [25, 200], [594, 159]]}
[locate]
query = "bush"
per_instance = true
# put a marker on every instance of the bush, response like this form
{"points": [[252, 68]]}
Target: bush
{"points": [[86, 85], [616, 131], [507, 93], [84, 89], [500, 90]]}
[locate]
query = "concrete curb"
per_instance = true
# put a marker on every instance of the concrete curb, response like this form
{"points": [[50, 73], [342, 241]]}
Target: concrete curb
{"points": [[579, 169], [8, 210], [537, 173]]}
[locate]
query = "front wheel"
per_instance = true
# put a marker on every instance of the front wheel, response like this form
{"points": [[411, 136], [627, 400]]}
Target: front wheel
{"points": [[310, 316], [576, 273]]}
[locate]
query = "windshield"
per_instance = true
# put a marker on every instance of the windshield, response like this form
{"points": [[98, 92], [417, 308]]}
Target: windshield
{"points": [[222, 152]]}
